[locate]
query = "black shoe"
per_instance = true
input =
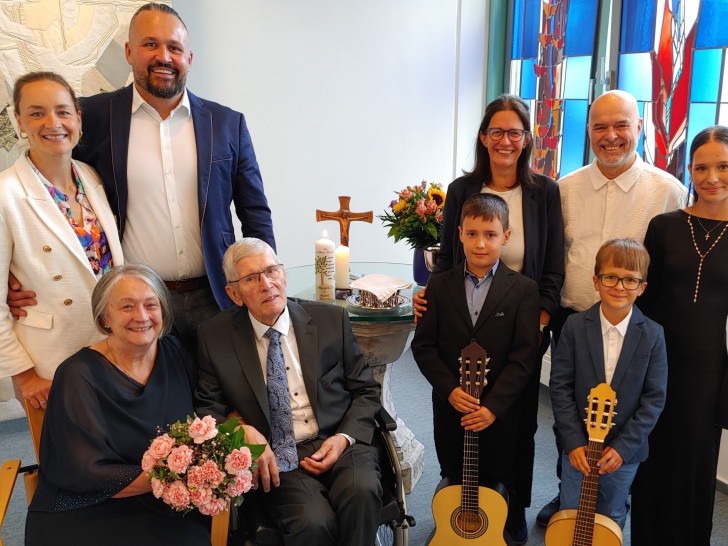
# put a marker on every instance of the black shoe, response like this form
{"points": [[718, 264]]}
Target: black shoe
{"points": [[547, 511], [520, 535]]}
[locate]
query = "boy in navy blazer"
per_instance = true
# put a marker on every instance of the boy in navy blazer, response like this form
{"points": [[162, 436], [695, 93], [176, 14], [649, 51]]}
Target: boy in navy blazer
{"points": [[614, 343], [480, 300]]}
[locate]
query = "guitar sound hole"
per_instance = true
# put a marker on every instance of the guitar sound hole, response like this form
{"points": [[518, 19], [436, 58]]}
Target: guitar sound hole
{"points": [[469, 523]]}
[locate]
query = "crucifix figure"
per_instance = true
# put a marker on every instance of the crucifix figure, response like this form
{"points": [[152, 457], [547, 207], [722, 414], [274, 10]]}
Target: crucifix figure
{"points": [[344, 216]]}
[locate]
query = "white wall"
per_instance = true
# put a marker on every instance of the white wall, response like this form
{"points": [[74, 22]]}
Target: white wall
{"points": [[344, 98]]}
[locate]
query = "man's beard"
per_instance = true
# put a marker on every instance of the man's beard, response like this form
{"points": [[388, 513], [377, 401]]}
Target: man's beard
{"points": [[168, 91]]}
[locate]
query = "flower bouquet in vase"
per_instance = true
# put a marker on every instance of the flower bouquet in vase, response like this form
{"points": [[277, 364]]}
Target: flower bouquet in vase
{"points": [[200, 465], [416, 216]]}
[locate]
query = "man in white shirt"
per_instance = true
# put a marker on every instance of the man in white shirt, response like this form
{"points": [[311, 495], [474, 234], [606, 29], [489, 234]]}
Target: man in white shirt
{"points": [[614, 197], [319, 475], [172, 164]]}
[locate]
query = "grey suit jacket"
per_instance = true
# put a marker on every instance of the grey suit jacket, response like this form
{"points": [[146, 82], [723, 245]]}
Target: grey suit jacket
{"points": [[343, 393], [640, 381]]}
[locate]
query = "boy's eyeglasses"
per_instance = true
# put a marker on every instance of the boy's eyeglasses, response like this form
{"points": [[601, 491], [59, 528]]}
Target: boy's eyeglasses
{"points": [[629, 283], [496, 133], [273, 273]]}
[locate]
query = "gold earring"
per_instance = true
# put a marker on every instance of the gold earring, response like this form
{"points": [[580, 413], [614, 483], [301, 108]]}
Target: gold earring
{"points": [[23, 135], [80, 134]]}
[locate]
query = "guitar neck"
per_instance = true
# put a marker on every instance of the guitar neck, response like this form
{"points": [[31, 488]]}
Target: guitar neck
{"points": [[584, 527], [469, 494]]}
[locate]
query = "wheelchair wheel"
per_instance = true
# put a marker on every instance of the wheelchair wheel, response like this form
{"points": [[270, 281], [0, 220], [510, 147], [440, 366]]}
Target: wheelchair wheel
{"points": [[385, 536], [392, 535]]}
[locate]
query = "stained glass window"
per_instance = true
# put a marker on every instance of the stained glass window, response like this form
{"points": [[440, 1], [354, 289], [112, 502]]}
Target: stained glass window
{"points": [[684, 50], [552, 74], [672, 56]]}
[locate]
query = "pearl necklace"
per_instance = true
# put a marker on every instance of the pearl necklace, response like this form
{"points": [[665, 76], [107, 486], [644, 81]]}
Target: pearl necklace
{"points": [[701, 255]]}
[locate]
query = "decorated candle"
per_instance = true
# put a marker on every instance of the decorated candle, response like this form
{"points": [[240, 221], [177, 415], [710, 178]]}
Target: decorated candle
{"points": [[342, 267], [324, 267]]}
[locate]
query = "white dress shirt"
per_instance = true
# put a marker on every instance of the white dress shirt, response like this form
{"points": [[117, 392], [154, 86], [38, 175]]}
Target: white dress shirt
{"points": [[163, 219], [305, 426], [596, 209], [612, 341]]}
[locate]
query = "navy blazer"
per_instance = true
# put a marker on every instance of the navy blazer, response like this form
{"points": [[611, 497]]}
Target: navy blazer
{"points": [[344, 395], [227, 172], [506, 328], [640, 381], [543, 233]]}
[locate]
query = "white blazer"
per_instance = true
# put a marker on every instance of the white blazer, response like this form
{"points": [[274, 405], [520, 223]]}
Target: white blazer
{"points": [[39, 247]]}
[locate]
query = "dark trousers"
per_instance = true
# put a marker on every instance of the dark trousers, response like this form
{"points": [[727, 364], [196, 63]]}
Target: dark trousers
{"points": [[525, 439], [340, 506]]}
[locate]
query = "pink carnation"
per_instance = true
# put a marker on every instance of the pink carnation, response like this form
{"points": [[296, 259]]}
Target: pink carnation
{"points": [[200, 496], [179, 459], [149, 461], [202, 429], [238, 460], [195, 477], [212, 473], [241, 484], [213, 506], [176, 495], [406, 193], [161, 446], [157, 487]]}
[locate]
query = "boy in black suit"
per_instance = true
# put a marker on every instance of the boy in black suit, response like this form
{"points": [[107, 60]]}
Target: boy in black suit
{"points": [[480, 300]]}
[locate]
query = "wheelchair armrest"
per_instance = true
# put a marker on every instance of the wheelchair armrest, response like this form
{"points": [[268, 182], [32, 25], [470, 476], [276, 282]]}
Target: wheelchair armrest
{"points": [[385, 421]]}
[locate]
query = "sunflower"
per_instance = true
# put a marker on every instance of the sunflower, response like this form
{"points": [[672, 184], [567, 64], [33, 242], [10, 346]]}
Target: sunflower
{"points": [[437, 195], [399, 206]]}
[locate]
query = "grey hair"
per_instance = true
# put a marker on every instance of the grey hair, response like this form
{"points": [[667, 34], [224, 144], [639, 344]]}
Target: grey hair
{"points": [[102, 294], [247, 246]]}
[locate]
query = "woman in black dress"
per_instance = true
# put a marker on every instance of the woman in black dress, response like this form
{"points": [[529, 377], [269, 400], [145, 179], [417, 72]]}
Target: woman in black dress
{"points": [[535, 248], [672, 497], [106, 403]]}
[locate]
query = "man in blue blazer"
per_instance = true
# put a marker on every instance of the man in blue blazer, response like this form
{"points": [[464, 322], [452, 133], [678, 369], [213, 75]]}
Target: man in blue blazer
{"points": [[614, 343], [147, 141]]}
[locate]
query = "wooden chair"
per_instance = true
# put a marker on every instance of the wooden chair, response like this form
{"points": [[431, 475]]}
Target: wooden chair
{"points": [[10, 469]]}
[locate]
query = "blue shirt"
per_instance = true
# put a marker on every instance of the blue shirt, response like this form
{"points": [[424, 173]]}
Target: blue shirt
{"points": [[477, 290]]}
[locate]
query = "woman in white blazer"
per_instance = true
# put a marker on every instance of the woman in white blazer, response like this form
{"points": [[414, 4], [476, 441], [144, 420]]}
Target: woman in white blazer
{"points": [[57, 235]]}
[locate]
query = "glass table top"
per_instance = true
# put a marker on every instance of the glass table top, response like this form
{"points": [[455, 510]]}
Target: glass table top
{"points": [[301, 285]]}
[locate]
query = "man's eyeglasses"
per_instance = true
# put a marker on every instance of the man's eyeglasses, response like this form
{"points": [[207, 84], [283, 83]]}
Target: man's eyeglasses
{"points": [[273, 273], [515, 135], [629, 283]]}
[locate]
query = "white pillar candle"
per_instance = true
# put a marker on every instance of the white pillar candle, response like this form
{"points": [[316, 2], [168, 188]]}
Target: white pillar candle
{"points": [[324, 268], [342, 267]]}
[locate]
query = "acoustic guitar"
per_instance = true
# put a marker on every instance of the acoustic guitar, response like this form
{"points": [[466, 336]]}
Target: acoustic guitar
{"points": [[468, 512], [584, 527]]}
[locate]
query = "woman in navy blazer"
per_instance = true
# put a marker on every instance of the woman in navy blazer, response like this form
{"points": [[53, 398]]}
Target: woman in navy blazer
{"points": [[502, 166]]}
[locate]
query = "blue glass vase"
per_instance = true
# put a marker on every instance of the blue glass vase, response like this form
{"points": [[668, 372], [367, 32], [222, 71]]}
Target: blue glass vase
{"points": [[420, 273]]}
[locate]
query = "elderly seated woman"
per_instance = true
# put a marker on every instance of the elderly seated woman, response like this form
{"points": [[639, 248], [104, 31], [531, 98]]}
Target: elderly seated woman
{"points": [[106, 403]]}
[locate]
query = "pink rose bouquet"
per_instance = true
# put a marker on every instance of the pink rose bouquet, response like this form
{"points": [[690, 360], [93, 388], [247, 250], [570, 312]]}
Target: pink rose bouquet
{"points": [[199, 465]]}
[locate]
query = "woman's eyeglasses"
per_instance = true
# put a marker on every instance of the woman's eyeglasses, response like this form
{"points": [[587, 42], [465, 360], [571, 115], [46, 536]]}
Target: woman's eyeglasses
{"points": [[496, 133]]}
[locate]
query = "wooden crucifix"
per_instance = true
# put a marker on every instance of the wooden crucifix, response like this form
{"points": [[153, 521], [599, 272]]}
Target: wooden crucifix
{"points": [[344, 216]]}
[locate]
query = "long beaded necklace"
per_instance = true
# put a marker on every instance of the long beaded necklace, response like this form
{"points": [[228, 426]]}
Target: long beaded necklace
{"points": [[701, 255]]}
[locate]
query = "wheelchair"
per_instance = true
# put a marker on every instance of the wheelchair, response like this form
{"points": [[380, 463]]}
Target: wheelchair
{"points": [[254, 526]]}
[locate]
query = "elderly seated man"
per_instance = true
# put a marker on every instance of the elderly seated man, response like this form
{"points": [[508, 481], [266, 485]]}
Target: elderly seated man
{"points": [[295, 374]]}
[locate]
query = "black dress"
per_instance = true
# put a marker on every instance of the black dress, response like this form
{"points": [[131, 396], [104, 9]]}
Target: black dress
{"points": [[97, 426], [673, 493]]}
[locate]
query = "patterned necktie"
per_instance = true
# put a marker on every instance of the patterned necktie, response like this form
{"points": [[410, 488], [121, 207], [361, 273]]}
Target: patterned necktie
{"points": [[283, 441]]}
